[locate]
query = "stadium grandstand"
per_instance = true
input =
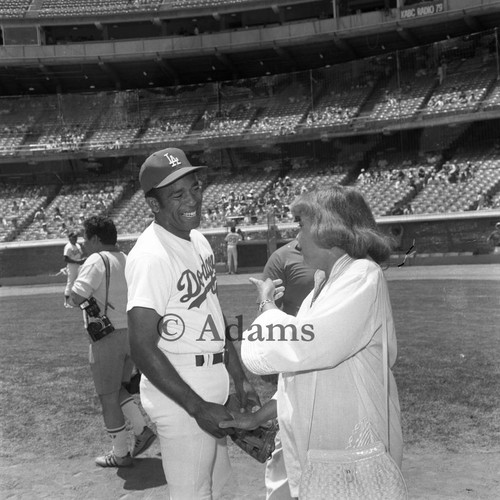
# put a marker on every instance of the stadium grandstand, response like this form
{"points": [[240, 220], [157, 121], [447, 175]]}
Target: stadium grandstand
{"points": [[399, 98]]}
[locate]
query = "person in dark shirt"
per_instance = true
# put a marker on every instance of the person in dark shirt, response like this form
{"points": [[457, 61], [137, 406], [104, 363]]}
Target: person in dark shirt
{"points": [[287, 264]]}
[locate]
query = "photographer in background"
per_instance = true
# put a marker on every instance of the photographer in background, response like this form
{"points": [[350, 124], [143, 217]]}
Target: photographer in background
{"points": [[101, 292]]}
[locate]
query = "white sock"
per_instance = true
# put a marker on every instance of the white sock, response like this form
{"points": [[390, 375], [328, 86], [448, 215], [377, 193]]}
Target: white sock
{"points": [[133, 414], [119, 438]]}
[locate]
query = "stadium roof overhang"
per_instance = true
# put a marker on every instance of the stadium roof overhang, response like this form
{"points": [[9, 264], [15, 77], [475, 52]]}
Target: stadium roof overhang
{"points": [[147, 63]]}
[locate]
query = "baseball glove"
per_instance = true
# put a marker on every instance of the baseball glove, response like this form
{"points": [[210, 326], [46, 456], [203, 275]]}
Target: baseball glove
{"points": [[259, 442]]}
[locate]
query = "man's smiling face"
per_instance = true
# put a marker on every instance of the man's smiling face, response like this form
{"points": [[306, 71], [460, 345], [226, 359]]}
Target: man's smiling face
{"points": [[180, 206]]}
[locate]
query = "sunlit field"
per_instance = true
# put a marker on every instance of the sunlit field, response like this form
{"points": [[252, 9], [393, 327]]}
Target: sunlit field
{"points": [[447, 371]]}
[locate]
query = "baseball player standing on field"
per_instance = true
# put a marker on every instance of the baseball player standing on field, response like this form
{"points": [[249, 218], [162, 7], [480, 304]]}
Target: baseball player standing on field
{"points": [[73, 256], [101, 291], [177, 333]]}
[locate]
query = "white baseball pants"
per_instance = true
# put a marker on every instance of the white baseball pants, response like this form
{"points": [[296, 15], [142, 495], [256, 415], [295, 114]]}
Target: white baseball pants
{"points": [[196, 464]]}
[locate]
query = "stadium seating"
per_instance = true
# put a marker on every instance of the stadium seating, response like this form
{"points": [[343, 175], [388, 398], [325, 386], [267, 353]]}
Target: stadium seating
{"points": [[474, 192], [402, 101], [337, 107], [391, 183], [493, 99], [281, 113], [14, 8], [18, 205], [231, 120], [54, 8], [345, 113], [463, 89], [68, 209], [268, 107], [132, 215]]}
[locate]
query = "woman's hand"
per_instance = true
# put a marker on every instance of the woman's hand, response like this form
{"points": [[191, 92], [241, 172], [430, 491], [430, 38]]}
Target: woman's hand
{"points": [[251, 420], [268, 289], [245, 420]]}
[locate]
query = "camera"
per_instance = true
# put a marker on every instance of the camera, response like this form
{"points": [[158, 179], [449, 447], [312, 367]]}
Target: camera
{"points": [[98, 325]]}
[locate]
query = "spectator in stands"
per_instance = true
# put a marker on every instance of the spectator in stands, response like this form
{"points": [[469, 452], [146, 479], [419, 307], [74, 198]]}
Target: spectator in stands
{"points": [[397, 210], [85, 201], [441, 71], [232, 239], [40, 215], [480, 200], [408, 210]]}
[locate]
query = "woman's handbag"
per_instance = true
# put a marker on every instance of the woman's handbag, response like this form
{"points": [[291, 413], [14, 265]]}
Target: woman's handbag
{"points": [[356, 474], [360, 473]]}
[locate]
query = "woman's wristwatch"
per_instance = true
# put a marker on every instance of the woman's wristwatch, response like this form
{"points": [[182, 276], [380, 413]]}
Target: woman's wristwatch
{"points": [[263, 303]]}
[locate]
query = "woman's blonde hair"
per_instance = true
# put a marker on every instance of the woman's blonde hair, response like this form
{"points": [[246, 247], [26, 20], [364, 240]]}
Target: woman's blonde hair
{"points": [[340, 217]]}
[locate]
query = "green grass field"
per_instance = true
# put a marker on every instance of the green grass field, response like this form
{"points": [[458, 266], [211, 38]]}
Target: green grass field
{"points": [[447, 371]]}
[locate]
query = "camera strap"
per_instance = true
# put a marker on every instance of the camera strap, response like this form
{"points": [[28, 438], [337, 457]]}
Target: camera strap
{"points": [[108, 274]]}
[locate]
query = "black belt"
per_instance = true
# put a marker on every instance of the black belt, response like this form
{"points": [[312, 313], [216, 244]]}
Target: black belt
{"points": [[217, 358]]}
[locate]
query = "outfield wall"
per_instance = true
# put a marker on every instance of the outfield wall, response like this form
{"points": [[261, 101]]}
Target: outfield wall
{"points": [[437, 239]]}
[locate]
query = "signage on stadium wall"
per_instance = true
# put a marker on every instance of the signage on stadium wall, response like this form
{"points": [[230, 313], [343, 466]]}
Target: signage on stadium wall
{"points": [[421, 10]]}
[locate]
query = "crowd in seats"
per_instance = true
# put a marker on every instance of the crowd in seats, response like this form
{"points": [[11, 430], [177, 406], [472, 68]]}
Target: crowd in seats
{"points": [[116, 120], [238, 197], [17, 117], [49, 8], [70, 207], [18, 205], [14, 8], [66, 127], [493, 99], [59, 138], [463, 90], [338, 107], [232, 119], [468, 182], [111, 134], [249, 199], [167, 121], [390, 183], [203, 3], [282, 113], [405, 99]]}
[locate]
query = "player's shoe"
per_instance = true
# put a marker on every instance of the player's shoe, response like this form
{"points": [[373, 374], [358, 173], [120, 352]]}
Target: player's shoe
{"points": [[143, 441], [111, 460]]}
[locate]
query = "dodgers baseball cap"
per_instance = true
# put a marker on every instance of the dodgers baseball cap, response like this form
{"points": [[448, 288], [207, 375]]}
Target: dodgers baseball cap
{"points": [[164, 167]]}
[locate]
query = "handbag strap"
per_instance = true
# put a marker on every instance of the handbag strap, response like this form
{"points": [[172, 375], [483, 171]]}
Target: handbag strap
{"points": [[385, 367], [108, 275]]}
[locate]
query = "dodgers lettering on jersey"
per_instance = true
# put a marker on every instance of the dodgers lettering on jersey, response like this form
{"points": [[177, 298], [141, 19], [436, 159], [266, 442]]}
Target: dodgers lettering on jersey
{"points": [[198, 285]]}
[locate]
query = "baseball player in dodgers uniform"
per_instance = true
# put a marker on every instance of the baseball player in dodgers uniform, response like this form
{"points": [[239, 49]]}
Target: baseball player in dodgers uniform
{"points": [[177, 333]]}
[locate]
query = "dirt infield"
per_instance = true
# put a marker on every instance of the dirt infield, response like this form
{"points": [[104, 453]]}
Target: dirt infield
{"points": [[430, 476]]}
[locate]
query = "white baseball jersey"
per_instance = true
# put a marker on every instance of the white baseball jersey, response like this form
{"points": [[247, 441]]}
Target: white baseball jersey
{"points": [[176, 278], [74, 252], [91, 282]]}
